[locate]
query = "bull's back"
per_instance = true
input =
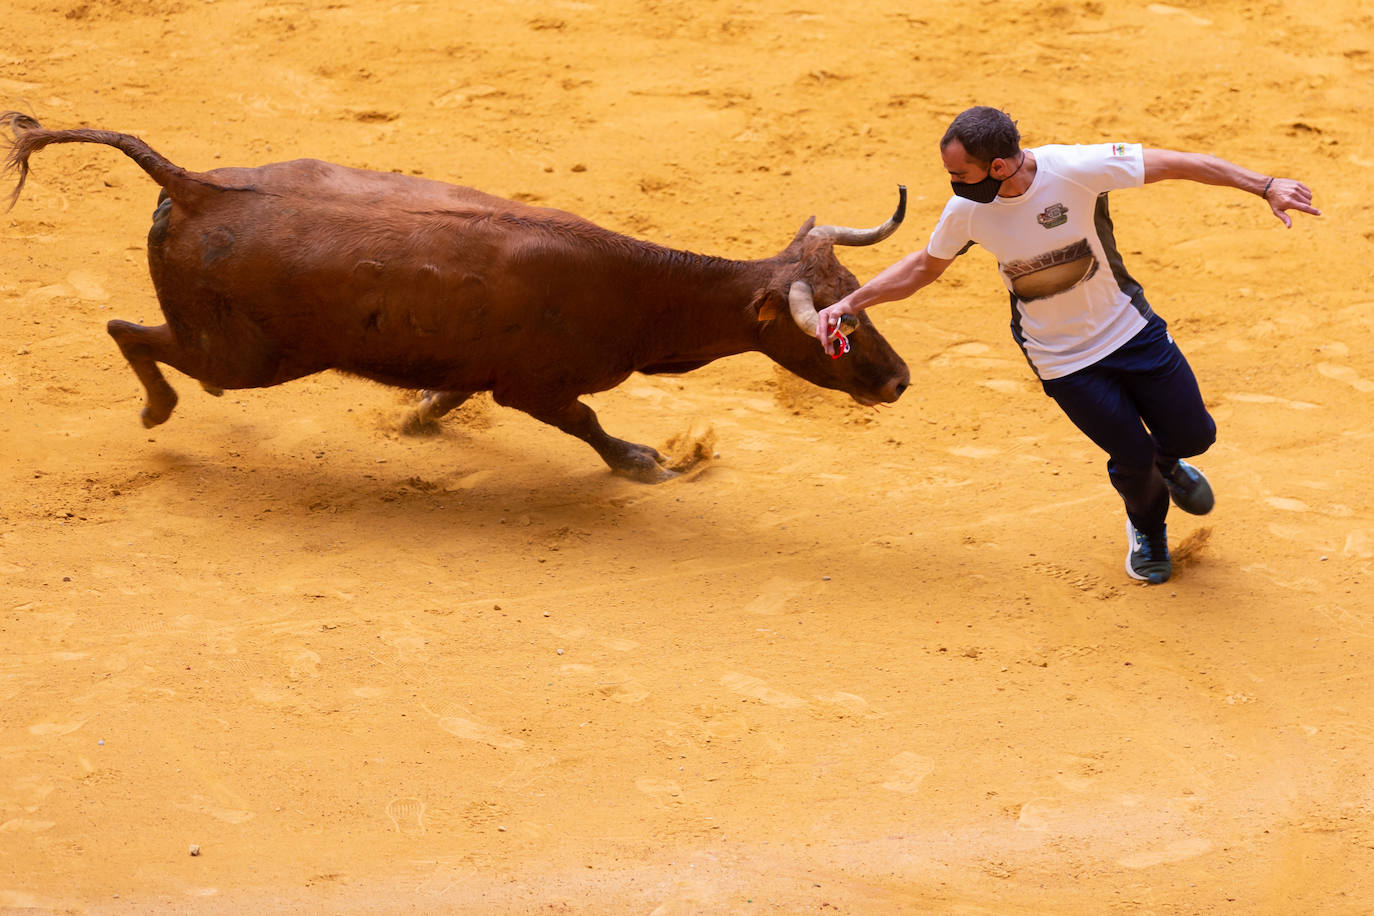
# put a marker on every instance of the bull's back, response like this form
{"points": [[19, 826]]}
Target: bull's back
{"points": [[314, 180], [406, 280]]}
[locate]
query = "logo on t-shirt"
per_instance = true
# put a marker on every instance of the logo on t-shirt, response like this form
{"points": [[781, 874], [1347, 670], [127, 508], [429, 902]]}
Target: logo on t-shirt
{"points": [[1051, 273], [1118, 149], [1054, 215]]}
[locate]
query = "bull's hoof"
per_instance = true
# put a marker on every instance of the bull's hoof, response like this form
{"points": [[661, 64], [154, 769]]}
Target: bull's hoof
{"points": [[212, 390], [425, 410], [419, 423], [156, 412], [643, 464], [655, 474], [646, 475]]}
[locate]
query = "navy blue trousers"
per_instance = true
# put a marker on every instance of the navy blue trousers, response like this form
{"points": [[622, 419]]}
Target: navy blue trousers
{"points": [[1142, 406]]}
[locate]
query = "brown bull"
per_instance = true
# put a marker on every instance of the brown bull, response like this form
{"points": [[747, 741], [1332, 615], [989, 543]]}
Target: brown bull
{"points": [[273, 273]]}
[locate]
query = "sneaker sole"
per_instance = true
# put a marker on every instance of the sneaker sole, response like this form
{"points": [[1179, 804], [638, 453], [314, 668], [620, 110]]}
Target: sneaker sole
{"points": [[1204, 501], [1193, 509]]}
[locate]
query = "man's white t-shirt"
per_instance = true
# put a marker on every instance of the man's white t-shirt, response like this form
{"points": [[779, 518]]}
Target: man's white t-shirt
{"points": [[1073, 302]]}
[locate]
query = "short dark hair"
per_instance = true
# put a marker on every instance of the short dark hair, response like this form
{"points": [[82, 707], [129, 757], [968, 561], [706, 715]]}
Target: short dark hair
{"points": [[984, 133]]}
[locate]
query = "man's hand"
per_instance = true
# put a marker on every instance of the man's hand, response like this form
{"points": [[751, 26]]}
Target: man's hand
{"points": [[1287, 194], [828, 324], [896, 281]]}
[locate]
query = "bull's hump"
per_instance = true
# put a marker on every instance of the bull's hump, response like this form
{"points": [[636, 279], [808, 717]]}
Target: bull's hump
{"points": [[316, 179], [305, 193]]}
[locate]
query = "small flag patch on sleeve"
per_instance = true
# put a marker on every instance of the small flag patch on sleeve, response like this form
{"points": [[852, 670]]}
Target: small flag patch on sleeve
{"points": [[1118, 149]]}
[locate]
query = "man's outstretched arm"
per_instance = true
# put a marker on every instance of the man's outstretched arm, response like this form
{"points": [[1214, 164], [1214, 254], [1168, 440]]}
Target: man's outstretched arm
{"points": [[896, 281], [1282, 194]]}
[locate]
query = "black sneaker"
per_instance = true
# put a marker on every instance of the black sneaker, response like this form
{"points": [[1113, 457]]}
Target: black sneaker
{"points": [[1148, 559], [1189, 490]]}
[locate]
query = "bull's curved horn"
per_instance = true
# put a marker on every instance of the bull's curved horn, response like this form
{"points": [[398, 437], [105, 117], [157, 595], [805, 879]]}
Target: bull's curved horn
{"points": [[802, 306], [846, 236], [801, 302]]}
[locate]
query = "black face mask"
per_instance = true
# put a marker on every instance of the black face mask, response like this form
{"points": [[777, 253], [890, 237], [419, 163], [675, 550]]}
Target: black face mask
{"points": [[985, 191]]}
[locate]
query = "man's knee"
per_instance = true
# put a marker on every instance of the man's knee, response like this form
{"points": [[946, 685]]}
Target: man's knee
{"points": [[1200, 439], [1187, 440]]}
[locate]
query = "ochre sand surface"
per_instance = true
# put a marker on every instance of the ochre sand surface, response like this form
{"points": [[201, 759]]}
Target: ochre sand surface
{"points": [[861, 661]]}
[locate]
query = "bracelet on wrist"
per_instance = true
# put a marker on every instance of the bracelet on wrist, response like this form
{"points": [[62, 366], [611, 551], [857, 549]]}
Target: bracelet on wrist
{"points": [[1265, 192]]}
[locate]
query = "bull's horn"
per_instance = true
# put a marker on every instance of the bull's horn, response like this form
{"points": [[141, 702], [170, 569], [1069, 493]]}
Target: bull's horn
{"points": [[801, 301], [845, 236], [803, 306]]}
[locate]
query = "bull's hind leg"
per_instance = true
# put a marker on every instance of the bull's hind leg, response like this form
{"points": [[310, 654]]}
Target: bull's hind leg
{"points": [[144, 348], [432, 406], [628, 459]]}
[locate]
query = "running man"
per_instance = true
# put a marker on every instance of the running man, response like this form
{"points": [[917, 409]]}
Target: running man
{"points": [[1083, 323]]}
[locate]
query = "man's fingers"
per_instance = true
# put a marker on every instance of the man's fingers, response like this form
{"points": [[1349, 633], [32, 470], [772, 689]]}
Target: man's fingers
{"points": [[825, 330], [1280, 208], [823, 333], [1292, 195], [1300, 198]]}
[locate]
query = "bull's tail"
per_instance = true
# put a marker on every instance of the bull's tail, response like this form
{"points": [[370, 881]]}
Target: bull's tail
{"points": [[30, 136]]}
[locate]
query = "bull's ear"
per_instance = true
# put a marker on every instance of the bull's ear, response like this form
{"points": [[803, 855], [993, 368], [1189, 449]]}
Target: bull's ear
{"points": [[767, 305]]}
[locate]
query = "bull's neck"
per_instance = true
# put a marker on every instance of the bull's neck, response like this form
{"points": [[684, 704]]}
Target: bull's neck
{"points": [[702, 310]]}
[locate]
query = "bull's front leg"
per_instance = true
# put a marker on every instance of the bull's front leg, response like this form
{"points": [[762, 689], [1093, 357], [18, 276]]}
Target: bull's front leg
{"points": [[628, 459]]}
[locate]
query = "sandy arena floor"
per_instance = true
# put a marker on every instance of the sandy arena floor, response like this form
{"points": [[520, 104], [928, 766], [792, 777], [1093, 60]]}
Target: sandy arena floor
{"points": [[475, 672]]}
